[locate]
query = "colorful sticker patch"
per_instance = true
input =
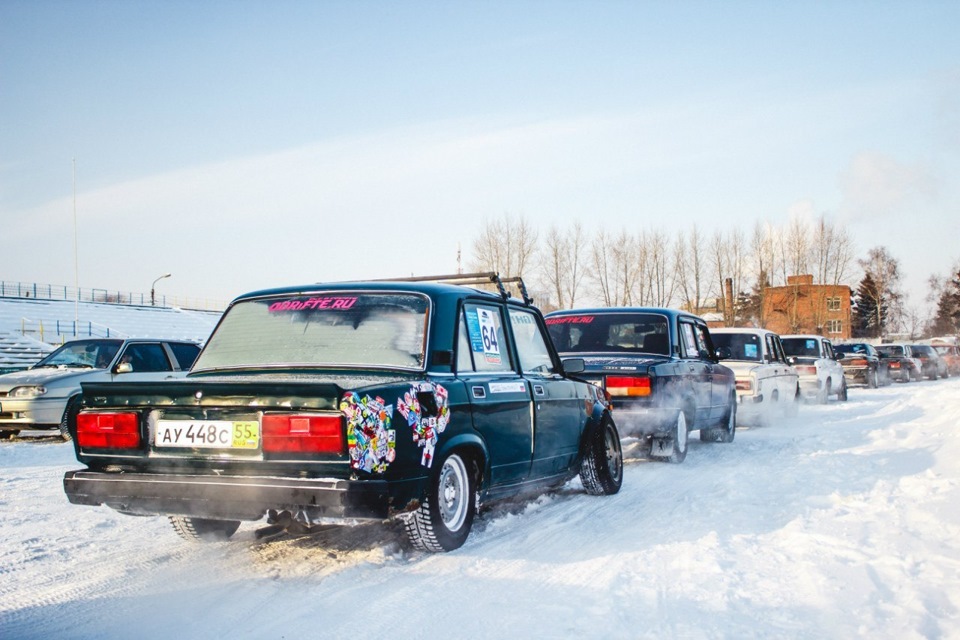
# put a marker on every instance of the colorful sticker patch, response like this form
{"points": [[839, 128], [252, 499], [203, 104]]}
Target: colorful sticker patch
{"points": [[371, 441], [426, 430]]}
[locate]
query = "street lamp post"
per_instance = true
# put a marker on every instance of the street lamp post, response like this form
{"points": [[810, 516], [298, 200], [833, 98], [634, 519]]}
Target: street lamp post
{"points": [[153, 287]]}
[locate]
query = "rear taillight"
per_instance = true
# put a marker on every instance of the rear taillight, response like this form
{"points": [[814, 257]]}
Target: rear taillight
{"points": [[806, 369], [894, 365], [108, 430], [628, 385], [744, 385], [858, 363], [302, 434]]}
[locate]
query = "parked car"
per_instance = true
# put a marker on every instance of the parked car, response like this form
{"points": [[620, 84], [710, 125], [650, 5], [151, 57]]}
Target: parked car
{"points": [[932, 366], [950, 354], [41, 397], [661, 370], [901, 364], [351, 402], [862, 364], [766, 383], [821, 375]]}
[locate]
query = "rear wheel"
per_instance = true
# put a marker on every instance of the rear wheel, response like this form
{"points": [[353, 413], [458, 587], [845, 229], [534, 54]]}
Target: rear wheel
{"points": [[680, 434], [202, 529], [824, 395], [873, 379], [443, 521], [601, 470], [842, 393], [8, 435]]}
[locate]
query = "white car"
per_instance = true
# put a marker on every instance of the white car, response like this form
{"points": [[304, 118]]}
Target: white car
{"points": [[41, 397], [766, 383], [819, 368]]}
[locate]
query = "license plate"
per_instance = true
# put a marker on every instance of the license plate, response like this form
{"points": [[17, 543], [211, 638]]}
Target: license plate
{"points": [[208, 434]]}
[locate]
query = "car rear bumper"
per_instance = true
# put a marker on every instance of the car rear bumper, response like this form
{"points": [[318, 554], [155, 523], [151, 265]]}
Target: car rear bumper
{"points": [[231, 497]]}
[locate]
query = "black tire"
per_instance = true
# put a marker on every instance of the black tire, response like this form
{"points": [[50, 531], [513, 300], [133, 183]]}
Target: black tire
{"points": [[8, 435], [823, 396], [601, 471], [873, 379], [842, 393], [680, 438], [443, 521], [202, 529], [728, 431], [70, 413]]}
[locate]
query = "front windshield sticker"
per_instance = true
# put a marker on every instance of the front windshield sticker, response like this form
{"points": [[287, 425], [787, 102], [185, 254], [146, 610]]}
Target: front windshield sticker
{"points": [[750, 351], [322, 302], [570, 320], [371, 441], [425, 397]]}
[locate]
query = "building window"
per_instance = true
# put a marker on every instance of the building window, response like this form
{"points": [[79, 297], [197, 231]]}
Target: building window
{"points": [[833, 304], [834, 326]]}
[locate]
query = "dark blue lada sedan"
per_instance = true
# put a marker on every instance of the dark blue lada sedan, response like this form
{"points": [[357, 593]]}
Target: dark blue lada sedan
{"points": [[661, 370], [349, 402]]}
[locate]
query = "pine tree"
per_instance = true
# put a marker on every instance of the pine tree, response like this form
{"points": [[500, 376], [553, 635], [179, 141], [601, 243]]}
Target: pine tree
{"points": [[947, 320], [869, 321]]}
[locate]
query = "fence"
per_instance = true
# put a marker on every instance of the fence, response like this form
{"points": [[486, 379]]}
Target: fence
{"points": [[58, 292]]}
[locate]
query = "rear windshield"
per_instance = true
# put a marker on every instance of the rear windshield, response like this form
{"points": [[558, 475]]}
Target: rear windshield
{"points": [[743, 346], [851, 348], [891, 350], [610, 333], [335, 329], [801, 347]]}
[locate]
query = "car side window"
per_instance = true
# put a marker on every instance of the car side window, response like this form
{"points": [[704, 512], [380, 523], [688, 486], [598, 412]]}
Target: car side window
{"points": [[704, 343], [772, 355], [778, 349], [485, 345], [688, 340], [531, 343], [827, 350], [185, 354], [146, 357]]}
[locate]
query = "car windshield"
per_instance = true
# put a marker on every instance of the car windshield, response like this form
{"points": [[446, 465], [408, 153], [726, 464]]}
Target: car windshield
{"points": [[891, 350], [743, 346], [328, 329], [801, 347], [93, 354], [610, 333], [851, 348]]}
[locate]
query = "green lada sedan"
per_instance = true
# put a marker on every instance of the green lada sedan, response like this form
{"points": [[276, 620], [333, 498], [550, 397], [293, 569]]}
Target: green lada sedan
{"points": [[350, 402]]}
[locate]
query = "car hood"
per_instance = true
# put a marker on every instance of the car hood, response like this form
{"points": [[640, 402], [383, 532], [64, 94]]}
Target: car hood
{"points": [[47, 375]]}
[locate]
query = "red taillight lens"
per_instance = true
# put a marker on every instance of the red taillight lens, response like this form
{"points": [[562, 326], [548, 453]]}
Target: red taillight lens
{"points": [[108, 430], [894, 365], [302, 434], [806, 369], [744, 385], [858, 363], [628, 385]]}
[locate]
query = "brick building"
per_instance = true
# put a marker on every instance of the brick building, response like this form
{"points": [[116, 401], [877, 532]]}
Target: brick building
{"points": [[804, 307]]}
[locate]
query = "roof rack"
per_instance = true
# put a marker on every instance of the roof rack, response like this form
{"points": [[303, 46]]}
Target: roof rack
{"points": [[483, 277]]}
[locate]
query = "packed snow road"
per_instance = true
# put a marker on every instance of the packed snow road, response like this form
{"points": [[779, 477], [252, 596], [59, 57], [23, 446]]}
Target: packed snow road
{"points": [[842, 522]]}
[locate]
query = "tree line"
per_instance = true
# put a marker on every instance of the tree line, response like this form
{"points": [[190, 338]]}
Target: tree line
{"points": [[569, 266]]}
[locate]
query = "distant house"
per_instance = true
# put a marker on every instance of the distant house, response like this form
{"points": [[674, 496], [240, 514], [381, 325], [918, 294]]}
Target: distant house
{"points": [[804, 307]]}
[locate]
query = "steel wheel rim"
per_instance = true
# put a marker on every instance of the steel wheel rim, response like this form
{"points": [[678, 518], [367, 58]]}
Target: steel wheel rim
{"points": [[452, 493], [681, 432], [614, 453]]}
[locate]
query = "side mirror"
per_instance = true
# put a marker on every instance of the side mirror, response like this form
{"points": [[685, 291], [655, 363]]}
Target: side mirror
{"points": [[792, 360], [574, 365], [723, 353], [124, 367]]}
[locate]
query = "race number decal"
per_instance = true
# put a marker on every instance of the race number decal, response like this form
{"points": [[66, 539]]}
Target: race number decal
{"points": [[488, 332]]}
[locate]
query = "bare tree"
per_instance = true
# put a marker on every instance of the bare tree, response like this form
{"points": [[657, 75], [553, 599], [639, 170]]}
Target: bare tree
{"points": [[884, 269], [506, 245], [661, 279], [690, 263], [614, 262], [831, 253], [562, 267]]}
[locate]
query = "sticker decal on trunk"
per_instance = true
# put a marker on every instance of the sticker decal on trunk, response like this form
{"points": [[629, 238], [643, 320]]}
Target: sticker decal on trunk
{"points": [[427, 410]]}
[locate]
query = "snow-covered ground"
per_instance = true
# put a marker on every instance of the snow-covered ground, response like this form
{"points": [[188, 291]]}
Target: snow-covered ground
{"points": [[842, 522]]}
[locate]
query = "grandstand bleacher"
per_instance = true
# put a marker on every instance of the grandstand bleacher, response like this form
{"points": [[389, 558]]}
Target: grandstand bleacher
{"points": [[30, 328]]}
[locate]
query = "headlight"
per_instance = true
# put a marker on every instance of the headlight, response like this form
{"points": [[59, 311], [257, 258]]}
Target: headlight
{"points": [[31, 391]]}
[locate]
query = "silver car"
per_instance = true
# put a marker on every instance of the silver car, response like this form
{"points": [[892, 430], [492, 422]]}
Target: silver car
{"points": [[41, 397]]}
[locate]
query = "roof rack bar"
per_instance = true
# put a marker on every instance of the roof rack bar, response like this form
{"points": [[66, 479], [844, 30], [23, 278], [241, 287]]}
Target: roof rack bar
{"points": [[481, 277]]}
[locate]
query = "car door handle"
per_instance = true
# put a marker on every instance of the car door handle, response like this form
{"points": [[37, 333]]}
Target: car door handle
{"points": [[479, 392]]}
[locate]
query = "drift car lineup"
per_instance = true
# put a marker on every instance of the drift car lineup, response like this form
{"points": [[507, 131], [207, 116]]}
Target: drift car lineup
{"points": [[416, 399]]}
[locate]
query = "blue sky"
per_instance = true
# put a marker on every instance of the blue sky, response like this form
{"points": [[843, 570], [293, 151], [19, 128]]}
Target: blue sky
{"points": [[241, 145]]}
